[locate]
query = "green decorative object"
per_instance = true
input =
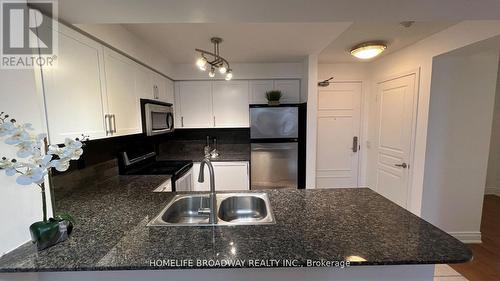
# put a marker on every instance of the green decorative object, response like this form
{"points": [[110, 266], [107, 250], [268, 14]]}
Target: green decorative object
{"points": [[33, 164], [48, 233], [273, 97]]}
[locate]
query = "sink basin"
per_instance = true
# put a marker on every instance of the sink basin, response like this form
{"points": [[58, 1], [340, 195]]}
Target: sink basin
{"points": [[243, 209], [231, 209]]}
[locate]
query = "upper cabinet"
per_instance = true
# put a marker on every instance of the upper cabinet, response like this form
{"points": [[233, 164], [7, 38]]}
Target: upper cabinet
{"points": [[290, 89], [230, 104], [75, 98], [95, 91], [123, 100], [194, 104], [218, 104]]}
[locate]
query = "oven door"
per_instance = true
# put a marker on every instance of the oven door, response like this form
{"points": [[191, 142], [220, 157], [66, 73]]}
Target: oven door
{"points": [[159, 119]]}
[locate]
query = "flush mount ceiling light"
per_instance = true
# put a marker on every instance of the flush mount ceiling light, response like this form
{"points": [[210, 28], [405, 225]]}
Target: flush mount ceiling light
{"points": [[368, 50], [213, 61]]}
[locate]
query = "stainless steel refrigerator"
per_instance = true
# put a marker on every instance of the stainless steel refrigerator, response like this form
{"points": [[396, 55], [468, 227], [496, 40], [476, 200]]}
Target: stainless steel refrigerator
{"points": [[274, 133]]}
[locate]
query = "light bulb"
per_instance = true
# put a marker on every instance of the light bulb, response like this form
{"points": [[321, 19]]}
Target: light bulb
{"points": [[212, 73], [229, 76], [201, 63], [222, 69]]}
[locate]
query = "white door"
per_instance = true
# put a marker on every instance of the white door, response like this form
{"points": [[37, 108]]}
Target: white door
{"points": [[290, 89], [230, 104], [338, 135], [395, 100], [195, 104], [160, 84], [73, 89], [120, 90]]}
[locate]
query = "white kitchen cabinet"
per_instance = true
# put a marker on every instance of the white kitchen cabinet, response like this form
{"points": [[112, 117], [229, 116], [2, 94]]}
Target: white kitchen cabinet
{"points": [[230, 104], [143, 82], [258, 89], [228, 176], [163, 88], [290, 89], [185, 183], [120, 90], [195, 104], [74, 95]]}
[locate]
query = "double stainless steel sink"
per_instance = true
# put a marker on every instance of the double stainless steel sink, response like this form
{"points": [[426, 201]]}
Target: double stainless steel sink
{"points": [[232, 209]]}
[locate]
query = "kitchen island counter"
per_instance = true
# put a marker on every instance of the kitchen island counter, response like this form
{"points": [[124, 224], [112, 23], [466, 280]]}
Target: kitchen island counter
{"points": [[312, 227]]}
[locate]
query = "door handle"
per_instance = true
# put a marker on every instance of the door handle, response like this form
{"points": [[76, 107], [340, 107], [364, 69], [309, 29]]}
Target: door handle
{"points": [[402, 165], [355, 144]]}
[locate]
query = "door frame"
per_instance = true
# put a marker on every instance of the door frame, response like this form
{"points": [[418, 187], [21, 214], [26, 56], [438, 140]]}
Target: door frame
{"points": [[361, 136], [414, 116]]}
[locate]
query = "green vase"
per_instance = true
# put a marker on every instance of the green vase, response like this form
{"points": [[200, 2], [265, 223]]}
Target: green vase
{"points": [[48, 233]]}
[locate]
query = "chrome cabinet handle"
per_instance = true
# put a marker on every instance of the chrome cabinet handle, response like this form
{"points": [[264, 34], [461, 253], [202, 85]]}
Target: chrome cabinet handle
{"points": [[114, 123], [182, 121], [214, 121], [107, 124], [402, 165]]}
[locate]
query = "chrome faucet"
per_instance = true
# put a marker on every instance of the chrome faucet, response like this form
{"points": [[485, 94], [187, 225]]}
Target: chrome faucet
{"points": [[212, 219]]}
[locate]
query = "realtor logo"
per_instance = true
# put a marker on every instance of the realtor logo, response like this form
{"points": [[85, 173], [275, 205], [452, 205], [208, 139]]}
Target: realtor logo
{"points": [[28, 36]]}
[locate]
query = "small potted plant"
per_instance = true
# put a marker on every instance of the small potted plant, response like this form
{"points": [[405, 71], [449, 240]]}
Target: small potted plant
{"points": [[273, 97], [36, 159]]}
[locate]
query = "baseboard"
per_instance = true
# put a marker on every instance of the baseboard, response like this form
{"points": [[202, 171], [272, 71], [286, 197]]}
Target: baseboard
{"points": [[492, 191], [471, 237]]}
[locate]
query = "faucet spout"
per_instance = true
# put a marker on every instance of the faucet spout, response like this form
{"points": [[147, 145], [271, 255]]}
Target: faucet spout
{"points": [[212, 219]]}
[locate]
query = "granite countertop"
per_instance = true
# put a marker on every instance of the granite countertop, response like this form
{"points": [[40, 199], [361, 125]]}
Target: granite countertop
{"points": [[311, 225]]}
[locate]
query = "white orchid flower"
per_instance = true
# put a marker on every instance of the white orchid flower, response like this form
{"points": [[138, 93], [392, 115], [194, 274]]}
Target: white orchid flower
{"points": [[54, 150], [27, 148], [74, 144], [32, 175], [43, 162], [6, 128], [19, 135], [8, 166], [60, 165]]}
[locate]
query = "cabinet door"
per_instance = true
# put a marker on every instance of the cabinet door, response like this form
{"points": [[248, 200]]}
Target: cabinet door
{"points": [[169, 97], [228, 176], [290, 90], [195, 104], [73, 89], [143, 83], [230, 104], [164, 88], [120, 90], [258, 89]]}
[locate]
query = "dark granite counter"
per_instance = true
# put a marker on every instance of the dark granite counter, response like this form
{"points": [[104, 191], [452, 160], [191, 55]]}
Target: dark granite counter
{"points": [[311, 225]]}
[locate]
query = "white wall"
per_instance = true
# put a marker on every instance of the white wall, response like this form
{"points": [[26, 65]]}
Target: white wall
{"points": [[120, 38], [312, 114], [419, 56], [460, 118], [352, 72], [493, 175], [189, 71], [20, 205]]}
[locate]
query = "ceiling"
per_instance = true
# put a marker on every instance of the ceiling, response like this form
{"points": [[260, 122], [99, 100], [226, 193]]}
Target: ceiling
{"points": [[243, 42], [198, 11], [396, 36]]}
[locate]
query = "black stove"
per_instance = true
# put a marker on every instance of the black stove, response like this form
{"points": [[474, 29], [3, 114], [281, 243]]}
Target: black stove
{"points": [[147, 164]]}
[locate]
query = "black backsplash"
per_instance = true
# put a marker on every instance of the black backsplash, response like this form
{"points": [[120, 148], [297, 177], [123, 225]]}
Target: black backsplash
{"points": [[103, 150]]}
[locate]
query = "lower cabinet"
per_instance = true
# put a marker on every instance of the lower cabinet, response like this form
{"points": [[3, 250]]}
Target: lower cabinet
{"points": [[228, 176], [185, 183]]}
